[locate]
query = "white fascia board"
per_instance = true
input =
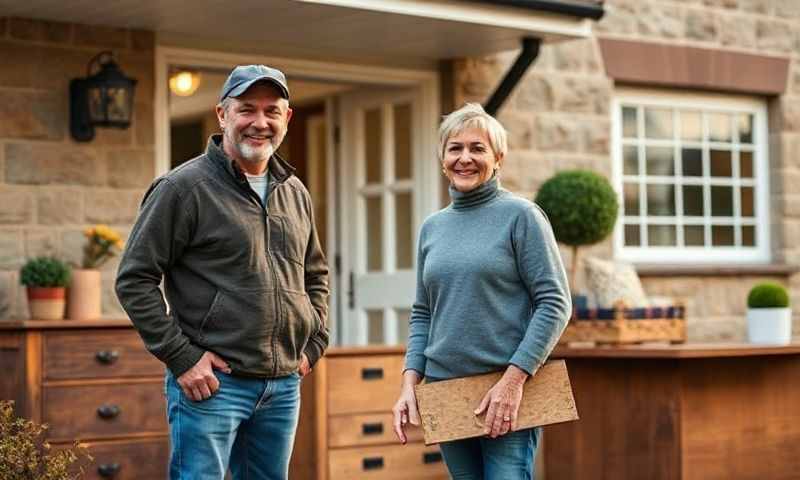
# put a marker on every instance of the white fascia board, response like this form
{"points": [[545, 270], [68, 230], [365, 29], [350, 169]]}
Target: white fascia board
{"points": [[540, 24]]}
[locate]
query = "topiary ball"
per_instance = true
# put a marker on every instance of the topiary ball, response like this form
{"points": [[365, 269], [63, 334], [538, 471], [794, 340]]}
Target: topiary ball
{"points": [[581, 205], [768, 295], [45, 272]]}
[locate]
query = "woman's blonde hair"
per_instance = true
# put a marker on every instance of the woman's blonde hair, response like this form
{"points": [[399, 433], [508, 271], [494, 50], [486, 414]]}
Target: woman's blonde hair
{"points": [[472, 115]]}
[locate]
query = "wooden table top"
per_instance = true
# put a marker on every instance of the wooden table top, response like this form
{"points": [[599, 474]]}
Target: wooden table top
{"points": [[687, 350], [61, 324]]}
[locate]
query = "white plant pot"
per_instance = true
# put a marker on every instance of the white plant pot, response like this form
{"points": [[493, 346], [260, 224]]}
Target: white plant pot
{"points": [[769, 325]]}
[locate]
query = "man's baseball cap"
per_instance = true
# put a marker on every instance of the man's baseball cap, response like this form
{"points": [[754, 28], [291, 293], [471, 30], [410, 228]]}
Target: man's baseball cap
{"points": [[244, 76]]}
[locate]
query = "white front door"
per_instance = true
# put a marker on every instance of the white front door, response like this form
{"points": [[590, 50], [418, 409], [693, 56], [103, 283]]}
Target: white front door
{"points": [[382, 207]]}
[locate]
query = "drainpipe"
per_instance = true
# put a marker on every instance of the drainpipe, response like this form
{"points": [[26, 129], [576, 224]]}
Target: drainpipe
{"points": [[530, 50]]}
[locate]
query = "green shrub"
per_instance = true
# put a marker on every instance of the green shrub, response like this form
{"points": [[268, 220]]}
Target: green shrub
{"points": [[768, 295], [45, 272], [24, 455]]}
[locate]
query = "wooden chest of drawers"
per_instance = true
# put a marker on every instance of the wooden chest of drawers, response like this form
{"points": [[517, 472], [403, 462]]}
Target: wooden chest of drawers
{"points": [[92, 381], [345, 427]]}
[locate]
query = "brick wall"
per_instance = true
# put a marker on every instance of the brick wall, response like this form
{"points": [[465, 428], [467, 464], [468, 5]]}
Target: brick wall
{"points": [[52, 187], [559, 118]]}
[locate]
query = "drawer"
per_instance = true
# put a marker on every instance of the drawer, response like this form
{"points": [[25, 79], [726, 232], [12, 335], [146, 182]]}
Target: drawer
{"points": [[400, 462], [368, 429], [97, 354], [97, 411], [364, 384], [126, 460]]}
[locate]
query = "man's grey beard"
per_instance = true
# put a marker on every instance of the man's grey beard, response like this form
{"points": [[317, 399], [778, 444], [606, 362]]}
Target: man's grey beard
{"points": [[256, 155]]}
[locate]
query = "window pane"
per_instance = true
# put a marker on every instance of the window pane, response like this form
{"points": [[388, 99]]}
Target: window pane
{"points": [[375, 327], [748, 203], [373, 144], [403, 317], [721, 201], [722, 235], [720, 163], [694, 235], [657, 123], [402, 141], [748, 236], [660, 161], [630, 157], [661, 235], [744, 122], [403, 218], [631, 197], [374, 233], [692, 162], [719, 127], [660, 199], [691, 126], [632, 235], [746, 164], [629, 122], [693, 200]]}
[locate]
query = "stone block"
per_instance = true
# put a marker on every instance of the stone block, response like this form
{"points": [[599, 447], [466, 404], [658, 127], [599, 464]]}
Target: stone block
{"points": [[620, 18], [775, 36], [110, 304], [33, 115], [72, 242], [16, 207], [738, 31], [519, 126], [139, 65], [111, 207], [39, 30], [597, 135], [555, 133], [571, 56], [12, 249], [41, 67], [535, 94], [731, 4], [658, 20], [710, 330], [595, 163], [582, 95], [59, 207], [790, 205], [113, 137], [132, 168], [789, 115], [525, 170], [143, 125], [41, 242], [48, 164], [97, 36], [13, 301], [790, 233], [702, 25], [789, 154], [756, 6], [787, 8]]}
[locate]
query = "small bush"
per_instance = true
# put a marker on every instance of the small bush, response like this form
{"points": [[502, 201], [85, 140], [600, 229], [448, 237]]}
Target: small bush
{"points": [[45, 272], [768, 295], [24, 455]]}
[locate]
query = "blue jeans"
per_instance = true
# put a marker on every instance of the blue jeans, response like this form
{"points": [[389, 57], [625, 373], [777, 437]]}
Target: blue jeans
{"points": [[248, 425], [508, 457]]}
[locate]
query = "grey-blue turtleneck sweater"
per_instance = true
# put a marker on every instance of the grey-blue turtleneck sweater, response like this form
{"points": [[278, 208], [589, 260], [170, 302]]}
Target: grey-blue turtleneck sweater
{"points": [[491, 287]]}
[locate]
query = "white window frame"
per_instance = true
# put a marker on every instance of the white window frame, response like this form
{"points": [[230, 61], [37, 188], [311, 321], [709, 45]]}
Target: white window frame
{"points": [[708, 254]]}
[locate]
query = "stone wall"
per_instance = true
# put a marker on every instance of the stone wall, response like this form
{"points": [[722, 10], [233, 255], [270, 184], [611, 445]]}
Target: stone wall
{"points": [[51, 187], [558, 118]]}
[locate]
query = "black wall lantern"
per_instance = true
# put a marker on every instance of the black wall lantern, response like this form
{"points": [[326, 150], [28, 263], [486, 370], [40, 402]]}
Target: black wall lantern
{"points": [[102, 99]]}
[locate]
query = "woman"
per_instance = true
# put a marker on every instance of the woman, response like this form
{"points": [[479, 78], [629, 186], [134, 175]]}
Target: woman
{"points": [[491, 295]]}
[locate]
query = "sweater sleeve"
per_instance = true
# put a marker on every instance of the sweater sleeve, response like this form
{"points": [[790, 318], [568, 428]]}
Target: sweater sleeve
{"points": [[539, 263], [420, 321], [157, 240]]}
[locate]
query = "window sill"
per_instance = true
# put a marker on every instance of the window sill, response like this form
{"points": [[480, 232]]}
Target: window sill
{"points": [[656, 270]]}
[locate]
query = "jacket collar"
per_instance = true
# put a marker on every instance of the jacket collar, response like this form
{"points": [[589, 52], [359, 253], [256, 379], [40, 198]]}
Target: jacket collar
{"points": [[279, 169]]}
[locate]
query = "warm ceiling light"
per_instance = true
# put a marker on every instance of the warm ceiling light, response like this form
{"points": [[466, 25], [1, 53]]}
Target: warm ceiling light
{"points": [[184, 83]]}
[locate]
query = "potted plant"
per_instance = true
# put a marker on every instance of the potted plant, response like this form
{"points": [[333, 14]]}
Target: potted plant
{"points": [[24, 455], [46, 279], [85, 292], [582, 208], [769, 318]]}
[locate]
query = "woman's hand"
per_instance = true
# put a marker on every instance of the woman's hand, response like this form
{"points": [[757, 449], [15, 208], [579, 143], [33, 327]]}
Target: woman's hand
{"points": [[405, 409], [501, 402]]}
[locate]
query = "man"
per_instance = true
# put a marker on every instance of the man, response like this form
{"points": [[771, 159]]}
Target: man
{"points": [[232, 235]]}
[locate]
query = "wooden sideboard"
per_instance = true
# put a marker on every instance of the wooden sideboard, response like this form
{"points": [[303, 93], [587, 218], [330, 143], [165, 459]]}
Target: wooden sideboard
{"points": [[92, 381], [680, 412]]}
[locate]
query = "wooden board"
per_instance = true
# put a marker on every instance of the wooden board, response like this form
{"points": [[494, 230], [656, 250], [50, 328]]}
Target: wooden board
{"points": [[447, 407]]}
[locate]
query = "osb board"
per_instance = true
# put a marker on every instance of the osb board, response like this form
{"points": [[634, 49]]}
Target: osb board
{"points": [[447, 407]]}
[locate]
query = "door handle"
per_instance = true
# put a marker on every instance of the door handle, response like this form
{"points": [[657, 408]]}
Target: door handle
{"points": [[351, 291], [106, 357], [107, 412], [108, 470]]}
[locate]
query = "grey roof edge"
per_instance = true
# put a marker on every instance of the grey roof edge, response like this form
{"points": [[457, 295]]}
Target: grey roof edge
{"points": [[573, 8]]}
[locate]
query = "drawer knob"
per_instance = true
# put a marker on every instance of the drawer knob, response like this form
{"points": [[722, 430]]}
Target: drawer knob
{"points": [[372, 463], [372, 428], [431, 457], [371, 373], [106, 357], [108, 412], [108, 470]]}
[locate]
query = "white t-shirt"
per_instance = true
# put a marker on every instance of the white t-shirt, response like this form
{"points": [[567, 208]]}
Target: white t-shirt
{"points": [[259, 184]]}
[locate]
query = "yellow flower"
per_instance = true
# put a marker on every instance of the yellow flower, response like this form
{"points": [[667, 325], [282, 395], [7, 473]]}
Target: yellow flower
{"points": [[89, 232]]}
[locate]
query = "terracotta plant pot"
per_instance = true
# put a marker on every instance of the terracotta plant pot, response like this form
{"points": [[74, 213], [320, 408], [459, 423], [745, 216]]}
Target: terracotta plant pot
{"points": [[46, 303], [84, 295]]}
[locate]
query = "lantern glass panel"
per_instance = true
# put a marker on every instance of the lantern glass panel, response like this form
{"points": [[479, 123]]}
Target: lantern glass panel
{"points": [[118, 105], [97, 110]]}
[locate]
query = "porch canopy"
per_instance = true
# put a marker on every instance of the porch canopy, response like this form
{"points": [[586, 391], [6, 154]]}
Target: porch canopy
{"points": [[403, 33]]}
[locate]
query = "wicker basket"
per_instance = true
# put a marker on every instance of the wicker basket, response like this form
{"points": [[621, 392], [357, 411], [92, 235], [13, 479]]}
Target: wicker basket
{"points": [[621, 325]]}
